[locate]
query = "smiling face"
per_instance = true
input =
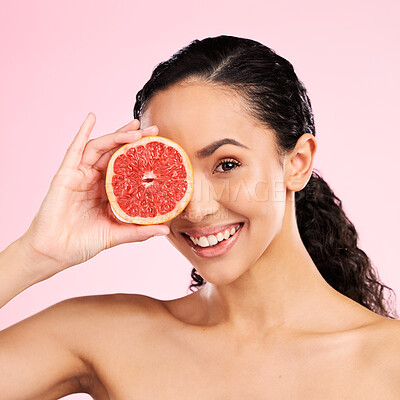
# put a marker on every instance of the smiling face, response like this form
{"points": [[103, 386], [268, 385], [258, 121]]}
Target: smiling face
{"points": [[237, 178]]}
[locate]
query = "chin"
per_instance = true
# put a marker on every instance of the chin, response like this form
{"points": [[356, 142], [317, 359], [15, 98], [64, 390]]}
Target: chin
{"points": [[219, 278]]}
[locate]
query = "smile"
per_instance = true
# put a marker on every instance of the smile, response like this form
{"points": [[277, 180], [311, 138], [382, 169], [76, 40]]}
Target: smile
{"points": [[214, 245], [212, 240]]}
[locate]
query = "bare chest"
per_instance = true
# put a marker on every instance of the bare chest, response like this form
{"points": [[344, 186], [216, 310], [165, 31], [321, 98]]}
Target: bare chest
{"points": [[195, 367]]}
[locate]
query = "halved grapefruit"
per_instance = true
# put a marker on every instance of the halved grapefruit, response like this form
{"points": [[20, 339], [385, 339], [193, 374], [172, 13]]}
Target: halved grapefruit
{"points": [[149, 181]]}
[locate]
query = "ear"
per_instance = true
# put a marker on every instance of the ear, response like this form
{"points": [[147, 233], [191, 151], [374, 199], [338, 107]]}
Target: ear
{"points": [[299, 162]]}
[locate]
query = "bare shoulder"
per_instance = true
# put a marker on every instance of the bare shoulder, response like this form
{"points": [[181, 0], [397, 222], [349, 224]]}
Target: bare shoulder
{"points": [[381, 354], [386, 337], [94, 325], [84, 323], [71, 319], [116, 301], [111, 327], [103, 312], [56, 351]]}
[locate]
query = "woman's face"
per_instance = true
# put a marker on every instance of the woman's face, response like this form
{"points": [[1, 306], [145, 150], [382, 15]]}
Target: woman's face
{"points": [[237, 178]]}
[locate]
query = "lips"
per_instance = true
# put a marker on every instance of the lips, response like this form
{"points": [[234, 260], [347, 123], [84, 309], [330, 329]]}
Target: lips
{"points": [[214, 251], [212, 230]]}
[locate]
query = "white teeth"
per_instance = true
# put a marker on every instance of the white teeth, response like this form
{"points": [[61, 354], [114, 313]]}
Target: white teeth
{"points": [[212, 240], [220, 236], [203, 242]]}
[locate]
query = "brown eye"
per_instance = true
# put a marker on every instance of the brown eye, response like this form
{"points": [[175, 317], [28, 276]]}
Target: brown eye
{"points": [[228, 165]]}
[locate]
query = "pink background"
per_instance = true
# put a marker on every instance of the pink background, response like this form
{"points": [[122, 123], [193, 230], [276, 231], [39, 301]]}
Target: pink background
{"points": [[63, 59]]}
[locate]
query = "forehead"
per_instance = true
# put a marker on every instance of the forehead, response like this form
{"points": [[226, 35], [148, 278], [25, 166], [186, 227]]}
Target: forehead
{"points": [[195, 114]]}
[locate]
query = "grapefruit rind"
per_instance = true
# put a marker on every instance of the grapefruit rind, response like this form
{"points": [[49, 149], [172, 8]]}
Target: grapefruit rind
{"points": [[159, 219]]}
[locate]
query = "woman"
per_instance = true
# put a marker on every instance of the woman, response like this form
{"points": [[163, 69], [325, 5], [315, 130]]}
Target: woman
{"points": [[291, 308]]}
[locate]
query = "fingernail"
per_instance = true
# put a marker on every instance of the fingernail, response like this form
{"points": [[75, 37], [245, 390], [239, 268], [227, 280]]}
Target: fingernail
{"points": [[138, 133]]}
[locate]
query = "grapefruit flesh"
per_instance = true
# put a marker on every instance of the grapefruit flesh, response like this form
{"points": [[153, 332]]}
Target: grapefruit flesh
{"points": [[149, 181]]}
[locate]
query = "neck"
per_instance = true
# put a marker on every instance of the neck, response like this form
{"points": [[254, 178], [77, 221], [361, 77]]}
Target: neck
{"points": [[283, 288]]}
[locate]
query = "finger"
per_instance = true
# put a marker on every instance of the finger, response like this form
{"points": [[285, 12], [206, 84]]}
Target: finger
{"points": [[150, 131], [131, 126], [73, 155], [129, 233], [96, 148], [102, 163]]}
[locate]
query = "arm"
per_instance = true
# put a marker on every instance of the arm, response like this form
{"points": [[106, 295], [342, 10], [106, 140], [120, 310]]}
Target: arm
{"points": [[42, 357], [14, 276], [38, 358]]}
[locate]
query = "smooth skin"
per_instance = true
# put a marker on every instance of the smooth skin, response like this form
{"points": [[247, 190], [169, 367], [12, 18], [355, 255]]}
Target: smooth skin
{"points": [[266, 326]]}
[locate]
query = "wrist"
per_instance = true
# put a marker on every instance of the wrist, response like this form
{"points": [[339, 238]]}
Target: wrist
{"points": [[32, 263], [14, 277]]}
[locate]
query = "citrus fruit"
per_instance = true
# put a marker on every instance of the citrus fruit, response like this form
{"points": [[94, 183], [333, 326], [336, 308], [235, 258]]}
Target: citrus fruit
{"points": [[149, 181]]}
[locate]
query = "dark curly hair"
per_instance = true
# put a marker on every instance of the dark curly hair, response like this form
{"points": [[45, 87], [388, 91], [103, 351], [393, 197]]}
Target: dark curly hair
{"points": [[276, 97]]}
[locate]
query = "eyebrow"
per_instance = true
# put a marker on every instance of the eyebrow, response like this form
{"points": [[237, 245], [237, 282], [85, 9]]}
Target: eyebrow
{"points": [[208, 150]]}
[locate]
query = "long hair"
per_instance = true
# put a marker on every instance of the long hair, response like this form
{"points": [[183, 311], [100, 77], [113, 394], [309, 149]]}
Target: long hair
{"points": [[276, 97]]}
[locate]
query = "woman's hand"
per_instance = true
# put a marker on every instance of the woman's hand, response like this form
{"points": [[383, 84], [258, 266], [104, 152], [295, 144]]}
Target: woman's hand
{"points": [[75, 221]]}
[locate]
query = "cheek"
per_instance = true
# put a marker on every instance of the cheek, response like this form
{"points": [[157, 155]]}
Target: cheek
{"points": [[253, 193]]}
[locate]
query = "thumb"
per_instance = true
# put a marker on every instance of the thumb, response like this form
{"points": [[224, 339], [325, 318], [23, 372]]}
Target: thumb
{"points": [[130, 233]]}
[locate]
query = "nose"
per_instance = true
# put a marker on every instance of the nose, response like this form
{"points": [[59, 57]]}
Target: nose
{"points": [[203, 201]]}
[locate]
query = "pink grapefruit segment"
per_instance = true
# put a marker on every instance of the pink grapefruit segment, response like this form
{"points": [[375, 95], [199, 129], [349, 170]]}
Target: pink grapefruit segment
{"points": [[149, 181]]}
